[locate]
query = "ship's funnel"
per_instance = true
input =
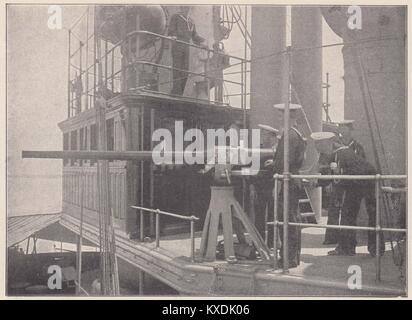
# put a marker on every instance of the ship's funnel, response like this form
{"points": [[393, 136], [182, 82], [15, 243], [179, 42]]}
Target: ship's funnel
{"points": [[374, 76], [306, 84]]}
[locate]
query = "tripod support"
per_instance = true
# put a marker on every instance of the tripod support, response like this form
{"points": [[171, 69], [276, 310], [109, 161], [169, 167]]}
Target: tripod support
{"points": [[224, 206]]}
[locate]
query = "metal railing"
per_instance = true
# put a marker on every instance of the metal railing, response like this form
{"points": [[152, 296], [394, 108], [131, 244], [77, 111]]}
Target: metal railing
{"points": [[378, 228], [116, 72], [158, 213], [206, 73]]}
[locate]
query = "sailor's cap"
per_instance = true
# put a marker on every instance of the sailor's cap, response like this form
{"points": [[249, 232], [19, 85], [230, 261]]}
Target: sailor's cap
{"points": [[268, 128], [322, 136], [292, 107], [344, 123]]}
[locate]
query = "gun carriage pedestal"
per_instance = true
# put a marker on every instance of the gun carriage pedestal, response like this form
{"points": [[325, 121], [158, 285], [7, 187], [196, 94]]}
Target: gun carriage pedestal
{"points": [[224, 207]]}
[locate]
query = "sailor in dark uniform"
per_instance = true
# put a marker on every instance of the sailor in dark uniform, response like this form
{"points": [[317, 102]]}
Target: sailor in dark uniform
{"points": [[345, 129], [336, 194], [261, 187], [182, 28], [77, 88], [343, 160], [297, 146]]}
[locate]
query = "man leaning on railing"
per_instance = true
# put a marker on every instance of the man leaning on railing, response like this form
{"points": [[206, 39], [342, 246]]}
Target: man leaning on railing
{"points": [[339, 159]]}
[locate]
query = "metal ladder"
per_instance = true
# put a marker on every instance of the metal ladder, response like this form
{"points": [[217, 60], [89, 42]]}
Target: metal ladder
{"points": [[306, 214]]}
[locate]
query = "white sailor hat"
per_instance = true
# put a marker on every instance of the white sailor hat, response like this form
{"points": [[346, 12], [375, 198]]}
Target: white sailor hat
{"points": [[322, 136], [323, 140], [268, 128], [292, 107], [344, 123]]}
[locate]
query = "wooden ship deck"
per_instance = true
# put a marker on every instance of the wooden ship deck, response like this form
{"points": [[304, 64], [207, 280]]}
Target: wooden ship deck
{"points": [[318, 274]]}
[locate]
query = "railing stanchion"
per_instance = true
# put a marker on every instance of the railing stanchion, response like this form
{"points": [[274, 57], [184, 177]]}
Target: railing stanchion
{"points": [[157, 228], [192, 240], [285, 258], [112, 71], [158, 213], [141, 226], [378, 229], [286, 168], [171, 82], [266, 224], [207, 77], [69, 90], [275, 223]]}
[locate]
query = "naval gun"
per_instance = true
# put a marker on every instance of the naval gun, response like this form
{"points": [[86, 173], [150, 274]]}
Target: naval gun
{"points": [[223, 205]]}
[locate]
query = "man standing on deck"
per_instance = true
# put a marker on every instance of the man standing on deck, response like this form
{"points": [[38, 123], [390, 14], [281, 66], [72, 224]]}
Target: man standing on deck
{"points": [[261, 187], [336, 194], [182, 28], [343, 160], [297, 146]]}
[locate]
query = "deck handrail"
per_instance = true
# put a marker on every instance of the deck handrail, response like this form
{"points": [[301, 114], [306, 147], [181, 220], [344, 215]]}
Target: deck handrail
{"points": [[342, 177], [178, 216], [192, 219], [340, 227], [110, 54], [378, 229], [139, 32], [164, 66], [394, 190]]}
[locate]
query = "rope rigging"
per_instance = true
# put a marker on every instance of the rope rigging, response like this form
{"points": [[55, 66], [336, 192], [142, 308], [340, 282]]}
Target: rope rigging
{"points": [[109, 278], [366, 93]]}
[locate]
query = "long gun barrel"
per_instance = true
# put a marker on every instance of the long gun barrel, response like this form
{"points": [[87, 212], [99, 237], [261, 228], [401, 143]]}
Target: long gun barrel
{"points": [[124, 155]]}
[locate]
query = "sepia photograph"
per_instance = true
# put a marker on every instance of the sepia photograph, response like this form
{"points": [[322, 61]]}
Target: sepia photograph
{"points": [[206, 150]]}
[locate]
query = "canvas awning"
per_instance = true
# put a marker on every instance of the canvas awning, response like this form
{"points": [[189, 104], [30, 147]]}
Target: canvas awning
{"points": [[21, 227]]}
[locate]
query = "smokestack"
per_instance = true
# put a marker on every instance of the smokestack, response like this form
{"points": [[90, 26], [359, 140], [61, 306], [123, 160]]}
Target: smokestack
{"points": [[374, 75], [306, 77], [268, 37], [306, 81]]}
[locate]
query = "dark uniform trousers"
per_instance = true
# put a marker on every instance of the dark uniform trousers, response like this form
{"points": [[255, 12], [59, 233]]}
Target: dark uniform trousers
{"points": [[353, 164], [180, 57], [294, 233], [336, 200], [265, 199], [350, 210], [334, 209], [297, 147], [183, 29]]}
